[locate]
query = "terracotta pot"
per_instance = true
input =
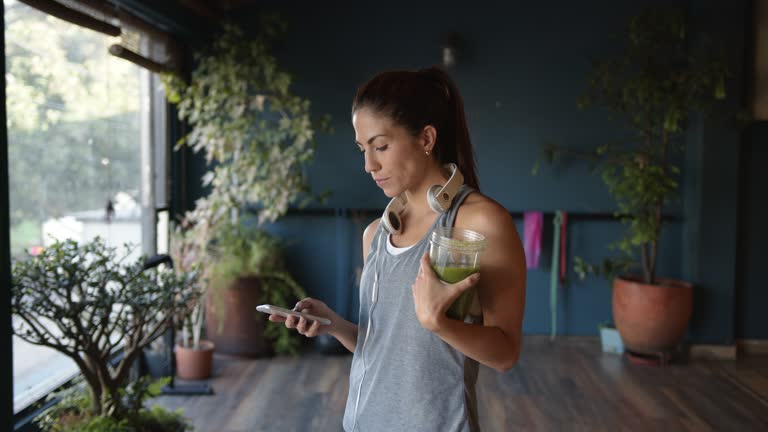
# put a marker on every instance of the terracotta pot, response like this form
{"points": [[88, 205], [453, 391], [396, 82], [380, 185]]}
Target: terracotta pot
{"points": [[194, 364], [240, 331], [651, 318]]}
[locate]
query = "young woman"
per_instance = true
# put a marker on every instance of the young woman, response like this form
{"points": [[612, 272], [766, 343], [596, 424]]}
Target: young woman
{"points": [[414, 368]]}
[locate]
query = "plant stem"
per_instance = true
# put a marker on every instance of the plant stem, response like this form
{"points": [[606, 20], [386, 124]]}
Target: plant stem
{"points": [[644, 258], [652, 263]]}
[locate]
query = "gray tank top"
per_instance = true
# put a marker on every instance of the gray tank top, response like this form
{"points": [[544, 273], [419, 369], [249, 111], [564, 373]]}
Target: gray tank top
{"points": [[404, 378]]}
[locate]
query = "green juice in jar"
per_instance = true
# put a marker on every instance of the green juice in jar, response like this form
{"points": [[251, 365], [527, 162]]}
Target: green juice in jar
{"points": [[452, 274]]}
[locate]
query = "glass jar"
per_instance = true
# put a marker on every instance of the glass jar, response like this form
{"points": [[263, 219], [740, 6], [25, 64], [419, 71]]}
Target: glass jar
{"points": [[455, 255]]}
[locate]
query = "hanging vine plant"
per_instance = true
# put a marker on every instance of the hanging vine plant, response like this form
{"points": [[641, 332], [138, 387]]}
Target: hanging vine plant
{"points": [[257, 138], [256, 135]]}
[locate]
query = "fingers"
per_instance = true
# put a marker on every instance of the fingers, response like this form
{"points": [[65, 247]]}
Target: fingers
{"points": [[291, 321], [304, 304], [307, 328], [312, 331], [425, 267], [297, 323], [467, 282], [424, 264], [301, 327]]}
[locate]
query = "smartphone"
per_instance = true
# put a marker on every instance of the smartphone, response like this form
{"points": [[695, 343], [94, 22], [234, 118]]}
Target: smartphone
{"points": [[276, 310]]}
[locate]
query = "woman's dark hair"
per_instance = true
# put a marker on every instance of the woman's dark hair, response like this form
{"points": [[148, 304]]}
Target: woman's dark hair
{"points": [[415, 99]]}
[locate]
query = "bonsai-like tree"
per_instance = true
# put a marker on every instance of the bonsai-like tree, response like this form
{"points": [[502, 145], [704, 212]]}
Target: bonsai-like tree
{"points": [[653, 86], [82, 301]]}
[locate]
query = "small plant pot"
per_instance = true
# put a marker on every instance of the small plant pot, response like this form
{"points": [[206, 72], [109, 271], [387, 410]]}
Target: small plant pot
{"points": [[194, 364], [610, 339]]}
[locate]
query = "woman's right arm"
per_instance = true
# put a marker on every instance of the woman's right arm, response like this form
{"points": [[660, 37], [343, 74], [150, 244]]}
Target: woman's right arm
{"points": [[344, 331]]}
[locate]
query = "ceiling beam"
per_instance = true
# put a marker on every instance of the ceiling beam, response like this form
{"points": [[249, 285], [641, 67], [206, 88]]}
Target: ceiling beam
{"points": [[60, 11]]}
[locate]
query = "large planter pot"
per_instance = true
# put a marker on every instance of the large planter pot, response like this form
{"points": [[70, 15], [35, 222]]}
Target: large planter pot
{"points": [[651, 318], [238, 329], [194, 364]]}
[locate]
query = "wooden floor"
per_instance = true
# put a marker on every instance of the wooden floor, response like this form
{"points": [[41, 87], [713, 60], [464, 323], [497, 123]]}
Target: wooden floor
{"points": [[567, 385]]}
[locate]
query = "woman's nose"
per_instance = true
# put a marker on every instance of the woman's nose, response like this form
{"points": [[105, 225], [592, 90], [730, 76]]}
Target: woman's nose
{"points": [[371, 164]]}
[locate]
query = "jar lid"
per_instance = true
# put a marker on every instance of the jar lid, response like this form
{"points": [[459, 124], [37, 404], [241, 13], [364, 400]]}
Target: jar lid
{"points": [[458, 239]]}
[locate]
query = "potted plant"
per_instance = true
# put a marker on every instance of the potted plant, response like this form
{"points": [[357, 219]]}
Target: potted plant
{"points": [[87, 304], [194, 356], [71, 410], [652, 86], [257, 138], [247, 269]]}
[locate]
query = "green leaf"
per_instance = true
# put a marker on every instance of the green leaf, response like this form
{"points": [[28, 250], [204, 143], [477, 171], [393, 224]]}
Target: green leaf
{"points": [[720, 89], [156, 388]]}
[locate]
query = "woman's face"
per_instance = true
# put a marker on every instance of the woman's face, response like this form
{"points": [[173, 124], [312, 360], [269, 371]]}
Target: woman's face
{"points": [[394, 158]]}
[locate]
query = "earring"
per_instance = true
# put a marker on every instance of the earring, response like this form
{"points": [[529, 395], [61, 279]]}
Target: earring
{"points": [[427, 152]]}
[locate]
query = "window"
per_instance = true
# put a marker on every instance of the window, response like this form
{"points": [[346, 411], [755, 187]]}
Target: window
{"points": [[80, 143]]}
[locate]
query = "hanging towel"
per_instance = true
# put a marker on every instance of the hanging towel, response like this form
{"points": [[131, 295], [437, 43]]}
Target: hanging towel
{"points": [[563, 231], [533, 223]]}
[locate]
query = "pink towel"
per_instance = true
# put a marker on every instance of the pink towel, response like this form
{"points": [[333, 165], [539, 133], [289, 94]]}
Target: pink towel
{"points": [[533, 223]]}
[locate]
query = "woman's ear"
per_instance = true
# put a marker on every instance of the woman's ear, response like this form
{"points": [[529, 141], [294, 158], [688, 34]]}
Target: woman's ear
{"points": [[428, 138]]}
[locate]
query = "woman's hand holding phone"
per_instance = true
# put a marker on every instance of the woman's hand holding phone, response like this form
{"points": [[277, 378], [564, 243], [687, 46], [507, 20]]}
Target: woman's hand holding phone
{"points": [[309, 328]]}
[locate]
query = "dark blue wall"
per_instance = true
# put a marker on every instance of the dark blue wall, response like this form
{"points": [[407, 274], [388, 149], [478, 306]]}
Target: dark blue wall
{"points": [[711, 181], [521, 69]]}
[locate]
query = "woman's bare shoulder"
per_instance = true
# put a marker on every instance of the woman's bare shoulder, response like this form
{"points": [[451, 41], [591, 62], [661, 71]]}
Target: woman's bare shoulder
{"points": [[486, 216], [368, 234], [370, 230], [481, 212]]}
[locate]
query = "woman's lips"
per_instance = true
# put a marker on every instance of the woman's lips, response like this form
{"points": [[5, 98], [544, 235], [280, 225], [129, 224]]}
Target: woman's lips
{"points": [[380, 181]]}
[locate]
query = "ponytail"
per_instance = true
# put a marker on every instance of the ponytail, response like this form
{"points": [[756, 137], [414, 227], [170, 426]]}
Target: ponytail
{"points": [[460, 152], [417, 99]]}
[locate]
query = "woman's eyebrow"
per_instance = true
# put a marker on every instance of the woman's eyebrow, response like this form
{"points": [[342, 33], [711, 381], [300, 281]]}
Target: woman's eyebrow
{"points": [[370, 140]]}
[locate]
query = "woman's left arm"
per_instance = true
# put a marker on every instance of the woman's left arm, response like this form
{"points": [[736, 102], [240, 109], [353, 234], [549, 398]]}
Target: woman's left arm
{"points": [[501, 289]]}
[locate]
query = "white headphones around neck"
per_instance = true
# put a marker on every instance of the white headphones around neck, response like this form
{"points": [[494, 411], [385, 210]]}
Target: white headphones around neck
{"points": [[438, 197]]}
